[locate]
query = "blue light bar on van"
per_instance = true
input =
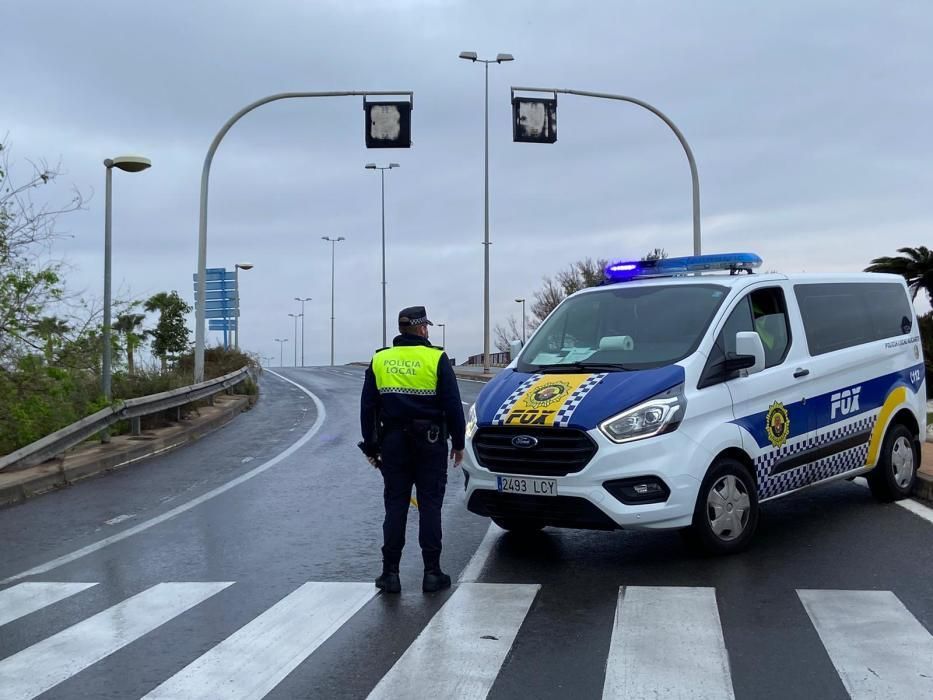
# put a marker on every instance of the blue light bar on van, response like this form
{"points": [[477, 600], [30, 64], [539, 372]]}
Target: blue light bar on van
{"points": [[639, 269]]}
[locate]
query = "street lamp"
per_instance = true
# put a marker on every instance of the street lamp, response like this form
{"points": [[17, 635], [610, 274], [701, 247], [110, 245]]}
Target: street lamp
{"points": [[500, 58], [333, 248], [295, 336], [443, 327], [522, 302], [236, 316], [382, 173], [129, 164], [303, 300], [281, 342]]}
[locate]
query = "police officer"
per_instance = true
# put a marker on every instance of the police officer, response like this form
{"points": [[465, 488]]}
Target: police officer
{"points": [[410, 406]]}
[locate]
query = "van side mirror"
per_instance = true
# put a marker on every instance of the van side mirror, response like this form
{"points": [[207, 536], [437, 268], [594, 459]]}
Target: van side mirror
{"points": [[749, 353], [515, 347]]}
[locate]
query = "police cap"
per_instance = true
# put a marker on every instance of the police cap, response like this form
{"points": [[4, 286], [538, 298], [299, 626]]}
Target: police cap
{"points": [[413, 316]]}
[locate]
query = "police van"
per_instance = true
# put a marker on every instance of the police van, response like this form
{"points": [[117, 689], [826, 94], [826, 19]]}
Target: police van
{"points": [[683, 393]]}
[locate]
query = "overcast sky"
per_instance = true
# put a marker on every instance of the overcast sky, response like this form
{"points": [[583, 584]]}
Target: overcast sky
{"points": [[810, 122]]}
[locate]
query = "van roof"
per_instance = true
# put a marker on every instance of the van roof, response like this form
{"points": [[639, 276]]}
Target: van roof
{"points": [[740, 281]]}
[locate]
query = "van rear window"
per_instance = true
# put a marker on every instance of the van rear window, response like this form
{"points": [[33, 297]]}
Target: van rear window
{"points": [[837, 316]]}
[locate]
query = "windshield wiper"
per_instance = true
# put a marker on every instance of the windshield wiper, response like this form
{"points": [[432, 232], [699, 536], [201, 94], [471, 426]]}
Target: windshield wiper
{"points": [[585, 366]]}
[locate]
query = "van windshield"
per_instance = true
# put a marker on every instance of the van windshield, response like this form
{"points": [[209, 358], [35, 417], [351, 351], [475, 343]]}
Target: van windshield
{"points": [[624, 328]]}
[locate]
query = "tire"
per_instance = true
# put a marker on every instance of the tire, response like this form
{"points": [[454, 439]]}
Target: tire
{"points": [[519, 527], [726, 513], [894, 476]]}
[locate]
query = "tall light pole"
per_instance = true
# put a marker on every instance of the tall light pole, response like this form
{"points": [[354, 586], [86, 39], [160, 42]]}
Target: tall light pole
{"points": [[236, 283], [281, 342], [129, 164], [295, 336], [302, 300], [382, 169], [443, 327], [333, 268], [500, 58], [522, 302]]}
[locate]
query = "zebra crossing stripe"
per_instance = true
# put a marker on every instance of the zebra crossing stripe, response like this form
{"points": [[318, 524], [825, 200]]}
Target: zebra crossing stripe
{"points": [[25, 598], [667, 643], [46, 664], [257, 657], [878, 648], [460, 651]]}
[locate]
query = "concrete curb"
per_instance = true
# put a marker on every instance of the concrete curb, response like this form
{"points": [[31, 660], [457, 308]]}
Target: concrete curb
{"points": [[20, 485]]}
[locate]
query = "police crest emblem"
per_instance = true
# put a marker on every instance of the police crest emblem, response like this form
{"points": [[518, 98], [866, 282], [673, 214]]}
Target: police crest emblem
{"points": [[777, 424]]}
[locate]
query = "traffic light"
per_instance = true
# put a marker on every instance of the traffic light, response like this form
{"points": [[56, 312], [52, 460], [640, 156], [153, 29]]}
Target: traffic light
{"points": [[534, 119], [388, 124]]}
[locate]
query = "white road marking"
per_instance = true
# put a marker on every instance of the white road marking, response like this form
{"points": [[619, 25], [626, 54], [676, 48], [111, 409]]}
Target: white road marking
{"points": [[120, 518], [459, 653], [26, 598], [257, 657], [878, 648], [193, 503], [667, 642], [478, 561], [915, 507], [46, 664]]}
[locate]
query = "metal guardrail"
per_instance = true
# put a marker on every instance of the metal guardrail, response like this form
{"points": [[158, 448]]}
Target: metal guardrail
{"points": [[131, 409]]}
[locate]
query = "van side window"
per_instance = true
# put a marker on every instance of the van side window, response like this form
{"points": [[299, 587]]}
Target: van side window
{"points": [[769, 312], [837, 316], [739, 320]]}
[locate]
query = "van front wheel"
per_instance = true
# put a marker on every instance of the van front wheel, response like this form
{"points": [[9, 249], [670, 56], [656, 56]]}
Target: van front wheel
{"points": [[726, 513], [894, 476]]}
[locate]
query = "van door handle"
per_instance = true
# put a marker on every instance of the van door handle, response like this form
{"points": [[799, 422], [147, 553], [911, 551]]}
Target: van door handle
{"points": [[801, 372]]}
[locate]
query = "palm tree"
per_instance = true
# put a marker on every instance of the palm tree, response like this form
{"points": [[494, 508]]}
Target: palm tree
{"points": [[914, 264], [50, 328], [170, 334], [128, 325]]}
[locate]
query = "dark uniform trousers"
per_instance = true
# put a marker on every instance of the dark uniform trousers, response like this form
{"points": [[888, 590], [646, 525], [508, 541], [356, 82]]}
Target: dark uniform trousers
{"points": [[409, 459]]}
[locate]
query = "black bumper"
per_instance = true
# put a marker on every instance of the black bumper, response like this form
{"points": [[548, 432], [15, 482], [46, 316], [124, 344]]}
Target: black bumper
{"points": [[554, 511]]}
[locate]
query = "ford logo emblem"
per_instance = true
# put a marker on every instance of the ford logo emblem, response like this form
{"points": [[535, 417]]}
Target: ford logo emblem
{"points": [[524, 441]]}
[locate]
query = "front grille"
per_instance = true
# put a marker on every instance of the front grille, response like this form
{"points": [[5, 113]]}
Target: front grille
{"points": [[557, 511], [560, 451]]}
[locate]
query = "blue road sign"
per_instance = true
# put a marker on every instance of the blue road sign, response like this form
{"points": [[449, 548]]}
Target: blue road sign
{"points": [[216, 274], [221, 325], [216, 285], [221, 313], [220, 294]]}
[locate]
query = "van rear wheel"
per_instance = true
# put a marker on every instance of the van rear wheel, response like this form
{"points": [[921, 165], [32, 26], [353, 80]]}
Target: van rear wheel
{"points": [[893, 477], [726, 513]]}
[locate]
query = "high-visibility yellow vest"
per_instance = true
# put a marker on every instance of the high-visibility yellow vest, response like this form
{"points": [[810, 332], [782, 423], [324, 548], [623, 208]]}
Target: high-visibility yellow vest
{"points": [[407, 369]]}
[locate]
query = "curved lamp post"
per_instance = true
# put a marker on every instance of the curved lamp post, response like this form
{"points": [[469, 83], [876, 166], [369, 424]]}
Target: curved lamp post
{"points": [[694, 175], [205, 178]]}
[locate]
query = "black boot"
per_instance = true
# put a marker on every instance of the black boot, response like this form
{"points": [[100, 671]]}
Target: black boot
{"points": [[435, 580], [389, 582]]}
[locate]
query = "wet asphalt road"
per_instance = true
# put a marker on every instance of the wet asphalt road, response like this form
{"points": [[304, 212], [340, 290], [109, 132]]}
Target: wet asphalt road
{"points": [[316, 516]]}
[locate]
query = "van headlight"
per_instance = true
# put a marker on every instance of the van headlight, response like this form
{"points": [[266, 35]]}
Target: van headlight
{"points": [[471, 421], [657, 415]]}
